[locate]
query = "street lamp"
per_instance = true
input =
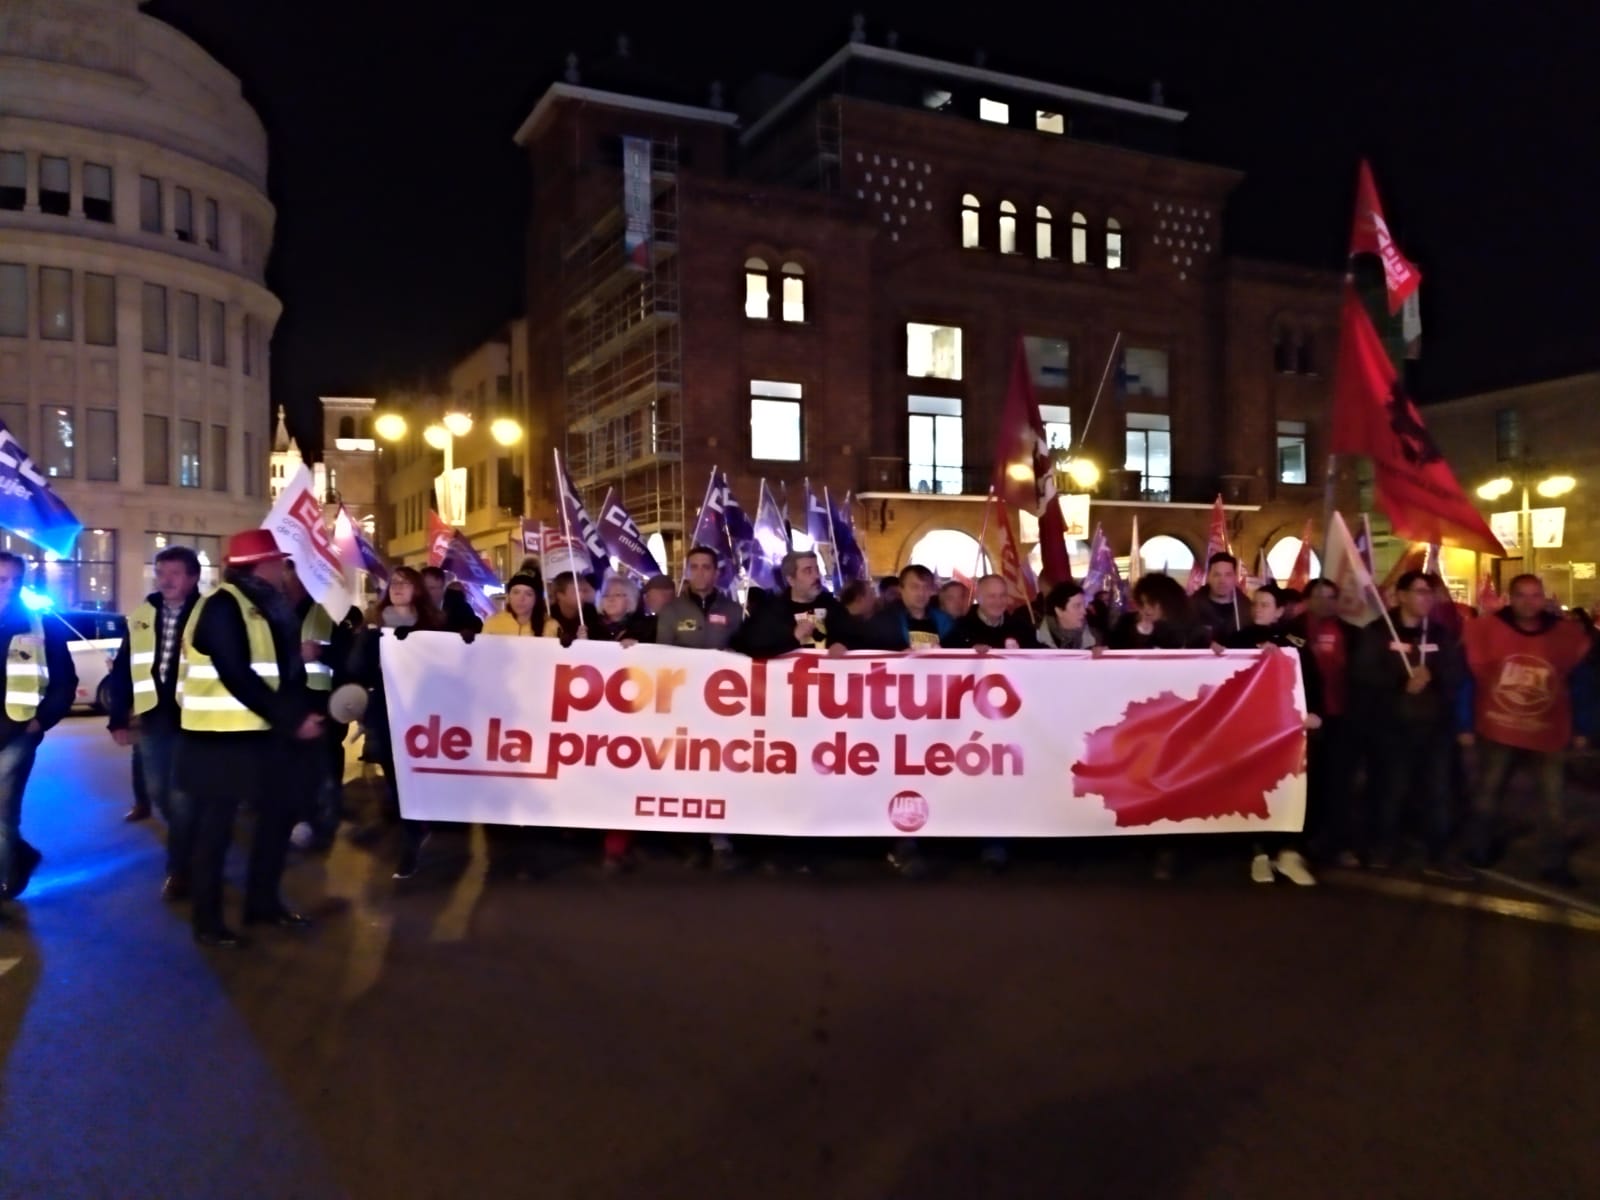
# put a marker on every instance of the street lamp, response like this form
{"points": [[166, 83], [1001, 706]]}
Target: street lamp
{"points": [[1550, 488], [1083, 472], [441, 435]]}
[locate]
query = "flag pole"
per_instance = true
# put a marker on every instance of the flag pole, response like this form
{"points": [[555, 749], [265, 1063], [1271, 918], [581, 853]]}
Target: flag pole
{"points": [[983, 534], [1083, 436], [833, 536], [689, 541]]}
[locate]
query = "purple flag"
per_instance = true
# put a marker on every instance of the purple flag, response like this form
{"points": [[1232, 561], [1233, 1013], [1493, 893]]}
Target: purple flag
{"points": [[740, 533], [576, 517], [466, 564], [852, 562], [711, 530], [623, 540], [771, 537], [28, 506], [1103, 571]]}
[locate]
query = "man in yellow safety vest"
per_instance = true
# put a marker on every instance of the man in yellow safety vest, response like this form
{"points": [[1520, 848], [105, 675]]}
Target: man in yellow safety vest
{"points": [[245, 701], [40, 685], [146, 684]]}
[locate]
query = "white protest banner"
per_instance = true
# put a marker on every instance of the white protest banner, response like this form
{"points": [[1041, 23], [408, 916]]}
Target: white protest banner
{"points": [[1008, 744], [297, 525]]}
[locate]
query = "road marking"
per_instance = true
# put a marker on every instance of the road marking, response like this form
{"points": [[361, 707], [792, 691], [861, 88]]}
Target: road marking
{"points": [[1556, 895], [1525, 910]]}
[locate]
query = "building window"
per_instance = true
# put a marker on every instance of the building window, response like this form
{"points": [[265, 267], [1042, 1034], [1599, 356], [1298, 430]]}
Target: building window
{"points": [[55, 186], [1113, 245], [189, 454], [1283, 352], [58, 444], [997, 111], [1291, 452], [183, 214], [55, 304], [252, 468], [1057, 420], [100, 309], [13, 180], [97, 192], [189, 326], [84, 580], [1149, 439], [219, 458], [1080, 239], [1008, 227], [1042, 244], [1047, 361], [157, 454], [1507, 435], [1049, 122], [219, 334], [100, 446], [154, 316], [775, 433], [933, 351], [757, 290], [1305, 356], [1144, 372], [149, 204], [971, 226], [13, 300], [934, 444], [213, 226], [249, 339], [794, 292]]}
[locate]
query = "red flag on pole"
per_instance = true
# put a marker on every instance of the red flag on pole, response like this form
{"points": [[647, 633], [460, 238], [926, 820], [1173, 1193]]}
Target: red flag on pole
{"points": [[1012, 568], [1216, 543], [439, 535], [1300, 574], [1373, 415], [1024, 474], [1369, 234]]}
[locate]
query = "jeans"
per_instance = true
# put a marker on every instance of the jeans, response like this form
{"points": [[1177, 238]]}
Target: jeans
{"points": [[1496, 761], [16, 764], [158, 760]]}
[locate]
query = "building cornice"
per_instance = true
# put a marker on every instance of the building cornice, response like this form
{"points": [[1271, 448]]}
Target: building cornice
{"points": [[574, 93]]}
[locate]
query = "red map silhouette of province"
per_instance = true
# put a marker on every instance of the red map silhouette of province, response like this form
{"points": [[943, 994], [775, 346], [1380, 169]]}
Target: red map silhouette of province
{"points": [[1217, 755]]}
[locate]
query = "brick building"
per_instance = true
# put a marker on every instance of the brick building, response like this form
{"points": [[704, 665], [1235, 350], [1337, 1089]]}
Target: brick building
{"points": [[836, 280]]}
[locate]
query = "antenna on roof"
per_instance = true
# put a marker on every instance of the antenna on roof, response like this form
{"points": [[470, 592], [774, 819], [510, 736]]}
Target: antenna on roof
{"points": [[858, 29], [572, 67], [622, 45]]}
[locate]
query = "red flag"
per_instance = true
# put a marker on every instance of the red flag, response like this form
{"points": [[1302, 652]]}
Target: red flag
{"points": [[1024, 474], [1216, 543], [1372, 415], [1369, 234], [1488, 596], [1012, 569], [1415, 558], [1300, 574], [439, 535]]}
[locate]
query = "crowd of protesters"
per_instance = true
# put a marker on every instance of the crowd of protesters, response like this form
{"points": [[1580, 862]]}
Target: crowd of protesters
{"points": [[1415, 722]]}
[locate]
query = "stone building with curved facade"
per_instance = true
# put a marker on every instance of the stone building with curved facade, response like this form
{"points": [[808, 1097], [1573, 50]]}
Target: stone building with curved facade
{"points": [[134, 314]]}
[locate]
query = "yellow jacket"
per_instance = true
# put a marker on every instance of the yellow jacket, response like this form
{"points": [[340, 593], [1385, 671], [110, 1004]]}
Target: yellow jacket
{"points": [[505, 623]]}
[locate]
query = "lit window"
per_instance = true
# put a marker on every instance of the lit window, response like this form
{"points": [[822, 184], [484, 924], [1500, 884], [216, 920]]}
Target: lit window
{"points": [[1080, 239], [1042, 245], [1113, 245], [13, 180], [55, 304], [1049, 122], [971, 231], [1165, 554], [1281, 558], [56, 452], [933, 351], [757, 296], [938, 99], [934, 445], [154, 312], [947, 551], [13, 300], [96, 192], [794, 292], [55, 186], [100, 309], [1008, 227], [1149, 452], [1057, 420], [1143, 372], [189, 454], [183, 214], [1047, 361], [149, 204], [997, 111], [1291, 452], [775, 420]]}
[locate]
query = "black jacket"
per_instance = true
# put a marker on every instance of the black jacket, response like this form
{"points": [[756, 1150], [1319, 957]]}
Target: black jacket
{"points": [[220, 634], [769, 632], [1125, 635], [971, 630], [1252, 636], [165, 714], [1380, 673], [1222, 620], [62, 689], [458, 614]]}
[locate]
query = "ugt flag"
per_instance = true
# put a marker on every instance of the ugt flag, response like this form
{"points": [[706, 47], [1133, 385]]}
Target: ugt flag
{"points": [[623, 540], [297, 525], [28, 506]]}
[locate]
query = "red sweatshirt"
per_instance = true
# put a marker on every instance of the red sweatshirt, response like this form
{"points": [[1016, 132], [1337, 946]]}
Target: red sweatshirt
{"points": [[1522, 697]]}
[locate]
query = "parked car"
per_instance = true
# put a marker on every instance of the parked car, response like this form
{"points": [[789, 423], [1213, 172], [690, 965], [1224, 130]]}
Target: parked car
{"points": [[93, 638]]}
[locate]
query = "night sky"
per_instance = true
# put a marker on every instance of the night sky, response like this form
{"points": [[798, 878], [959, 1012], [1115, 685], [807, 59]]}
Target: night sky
{"points": [[401, 197]]}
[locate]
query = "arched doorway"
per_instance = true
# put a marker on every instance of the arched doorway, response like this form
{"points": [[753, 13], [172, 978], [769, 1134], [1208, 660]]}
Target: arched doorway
{"points": [[947, 551], [1281, 555], [1166, 553]]}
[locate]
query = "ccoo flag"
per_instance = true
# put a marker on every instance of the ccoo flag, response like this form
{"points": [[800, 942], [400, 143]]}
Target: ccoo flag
{"points": [[771, 543], [623, 540], [852, 561], [741, 536], [28, 506], [575, 518], [355, 552], [711, 531]]}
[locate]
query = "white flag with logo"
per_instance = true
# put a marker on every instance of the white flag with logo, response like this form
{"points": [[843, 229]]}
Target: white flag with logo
{"points": [[1341, 562], [297, 525]]}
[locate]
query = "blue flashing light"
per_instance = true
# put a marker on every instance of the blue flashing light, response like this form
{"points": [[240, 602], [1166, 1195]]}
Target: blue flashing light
{"points": [[36, 601]]}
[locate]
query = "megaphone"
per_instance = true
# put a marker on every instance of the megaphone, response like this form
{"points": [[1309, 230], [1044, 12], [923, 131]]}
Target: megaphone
{"points": [[348, 703]]}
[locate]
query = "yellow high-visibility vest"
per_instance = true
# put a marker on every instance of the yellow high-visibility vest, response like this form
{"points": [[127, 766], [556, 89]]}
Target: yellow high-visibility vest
{"points": [[27, 673], [144, 624], [318, 627], [207, 705]]}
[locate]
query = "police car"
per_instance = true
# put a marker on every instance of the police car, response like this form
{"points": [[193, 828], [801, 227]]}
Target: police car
{"points": [[93, 638]]}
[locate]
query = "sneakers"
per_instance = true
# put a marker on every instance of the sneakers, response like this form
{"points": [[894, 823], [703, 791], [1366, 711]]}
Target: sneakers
{"points": [[410, 857], [1291, 864], [1448, 871], [1260, 869]]}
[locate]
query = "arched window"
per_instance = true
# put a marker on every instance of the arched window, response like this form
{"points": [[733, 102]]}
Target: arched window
{"points": [[794, 292], [1283, 351], [1008, 227], [1042, 245], [1113, 244], [1281, 558], [1080, 239], [1164, 553], [1077, 556], [1305, 358], [971, 235], [757, 290], [347, 427], [946, 551]]}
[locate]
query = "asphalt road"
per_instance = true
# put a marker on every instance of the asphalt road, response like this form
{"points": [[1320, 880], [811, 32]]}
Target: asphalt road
{"points": [[1057, 1033]]}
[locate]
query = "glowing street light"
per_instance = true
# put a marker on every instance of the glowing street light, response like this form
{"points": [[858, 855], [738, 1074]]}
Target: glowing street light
{"points": [[505, 431], [1556, 485], [1083, 473], [390, 426], [458, 423], [438, 437], [1496, 488]]}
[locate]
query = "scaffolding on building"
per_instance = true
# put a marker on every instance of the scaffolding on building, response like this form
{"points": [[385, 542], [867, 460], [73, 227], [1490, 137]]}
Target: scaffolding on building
{"points": [[623, 357]]}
